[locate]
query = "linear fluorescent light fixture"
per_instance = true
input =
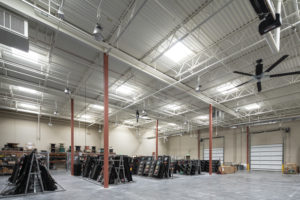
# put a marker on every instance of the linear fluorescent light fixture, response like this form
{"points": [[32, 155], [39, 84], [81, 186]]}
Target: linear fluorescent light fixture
{"points": [[28, 56], [97, 107], [85, 117], [27, 90], [172, 107], [172, 124], [28, 106], [252, 106], [129, 122], [178, 52], [125, 90], [226, 88], [203, 117]]}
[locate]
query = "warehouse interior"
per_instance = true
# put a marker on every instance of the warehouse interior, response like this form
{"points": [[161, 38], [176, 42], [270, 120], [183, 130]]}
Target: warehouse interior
{"points": [[149, 99]]}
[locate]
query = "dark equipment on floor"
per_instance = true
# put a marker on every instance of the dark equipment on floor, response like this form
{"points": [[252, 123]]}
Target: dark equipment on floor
{"points": [[30, 175], [205, 165], [187, 167], [159, 168], [119, 169]]}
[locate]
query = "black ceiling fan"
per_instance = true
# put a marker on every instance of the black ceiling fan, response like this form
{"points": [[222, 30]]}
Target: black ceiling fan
{"points": [[260, 74]]}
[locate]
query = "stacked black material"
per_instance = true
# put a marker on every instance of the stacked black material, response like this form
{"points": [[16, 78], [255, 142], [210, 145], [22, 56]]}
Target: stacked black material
{"points": [[25, 175], [187, 167], [215, 165], [159, 168], [119, 169], [152, 168], [142, 164], [135, 164], [147, 166]]}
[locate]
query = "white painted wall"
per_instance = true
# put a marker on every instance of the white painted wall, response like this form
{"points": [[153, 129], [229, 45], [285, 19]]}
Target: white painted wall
{"points": [[127, 141], [236, 141], [123, 140], [23, 131]]}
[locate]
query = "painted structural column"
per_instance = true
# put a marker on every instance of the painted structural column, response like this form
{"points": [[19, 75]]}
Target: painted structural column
{"points": [[72, 136], [106, 136], [210, 139], [248, 166], [156, 141], [198, 144]]}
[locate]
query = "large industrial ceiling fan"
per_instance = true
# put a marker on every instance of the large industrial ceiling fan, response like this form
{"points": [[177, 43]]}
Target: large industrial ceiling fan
{"points": [[260, 74]]}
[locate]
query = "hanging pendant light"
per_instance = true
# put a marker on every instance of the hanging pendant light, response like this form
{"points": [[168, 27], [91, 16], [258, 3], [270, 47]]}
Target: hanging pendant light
{"points": [[97, 32]]}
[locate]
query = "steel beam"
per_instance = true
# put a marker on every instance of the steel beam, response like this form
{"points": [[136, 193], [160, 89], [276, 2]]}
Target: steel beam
{"points": [[210, 139], [248, 166], [198, 141], [106, 124], [72, 136], [32, 11], [156, 141]]}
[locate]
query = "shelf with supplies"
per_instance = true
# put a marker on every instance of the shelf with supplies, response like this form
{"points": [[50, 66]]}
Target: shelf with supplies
{"points": [[8, 159], [57, 158]]}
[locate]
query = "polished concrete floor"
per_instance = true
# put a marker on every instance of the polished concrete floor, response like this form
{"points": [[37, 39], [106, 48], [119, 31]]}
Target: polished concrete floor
{"points": [[242, 185]]}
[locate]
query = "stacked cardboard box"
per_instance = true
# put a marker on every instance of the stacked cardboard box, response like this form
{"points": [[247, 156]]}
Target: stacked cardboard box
{"points": [[291, 168], [227, 169]]}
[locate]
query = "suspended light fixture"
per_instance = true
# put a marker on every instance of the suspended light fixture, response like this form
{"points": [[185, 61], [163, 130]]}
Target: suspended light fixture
{"points": [[98, 30], [60, 11], [67, 91], [50, 122], [100, 129], [198, 86]]}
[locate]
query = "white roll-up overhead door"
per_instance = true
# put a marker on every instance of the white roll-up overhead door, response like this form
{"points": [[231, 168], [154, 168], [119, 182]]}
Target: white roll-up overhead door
{"points": [[266, 151], [217, 149], [217, 154], [266, 157]]}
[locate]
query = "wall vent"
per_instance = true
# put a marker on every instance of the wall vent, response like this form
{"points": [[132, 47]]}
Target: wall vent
{"points": [[13, 30]]}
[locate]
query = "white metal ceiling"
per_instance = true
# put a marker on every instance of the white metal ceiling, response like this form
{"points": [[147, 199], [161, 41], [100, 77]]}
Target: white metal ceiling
{"points": [[225, 30]]}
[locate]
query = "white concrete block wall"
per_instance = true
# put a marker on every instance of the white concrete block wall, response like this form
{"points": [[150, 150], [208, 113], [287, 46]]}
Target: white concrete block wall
{"points": [[122, 139], [125, 140]]}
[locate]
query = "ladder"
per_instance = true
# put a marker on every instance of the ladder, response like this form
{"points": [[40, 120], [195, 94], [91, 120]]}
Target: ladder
{"points": [[120, 169], [101, 177], [37, 180]]}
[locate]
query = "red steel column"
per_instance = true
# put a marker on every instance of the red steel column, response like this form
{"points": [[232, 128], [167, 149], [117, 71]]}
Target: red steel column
{"points": [[156, 149], [106, 138], [198, 144], [210, 139], [72, 136], [248, 166]]}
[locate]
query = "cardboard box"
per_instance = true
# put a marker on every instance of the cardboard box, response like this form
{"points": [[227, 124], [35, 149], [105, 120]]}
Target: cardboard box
{"points": [[291, 168], [227, 169]]}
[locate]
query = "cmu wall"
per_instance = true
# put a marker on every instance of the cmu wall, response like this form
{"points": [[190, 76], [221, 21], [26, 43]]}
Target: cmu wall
{"points": [[23, 131], [128, 141], [123, 140], [235, 142]]}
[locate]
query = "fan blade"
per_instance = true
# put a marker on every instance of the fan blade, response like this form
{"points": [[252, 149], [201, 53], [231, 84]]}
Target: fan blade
{"points": [[284, 74], [242, 73], [258, 69], [277, 63], [258, 86], [244, 83]]}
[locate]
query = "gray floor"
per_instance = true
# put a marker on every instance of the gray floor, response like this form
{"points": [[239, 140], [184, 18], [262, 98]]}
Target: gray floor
{"points": [[242, 185]]}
